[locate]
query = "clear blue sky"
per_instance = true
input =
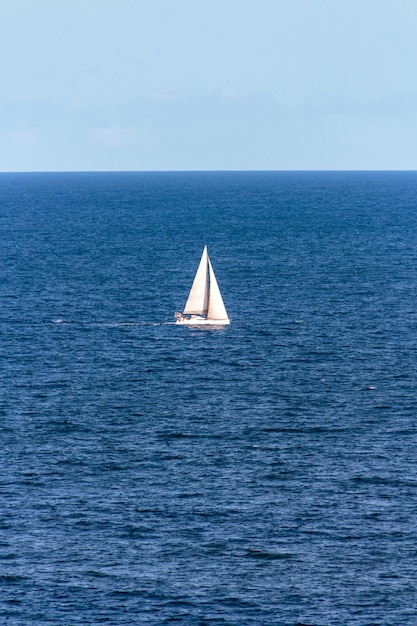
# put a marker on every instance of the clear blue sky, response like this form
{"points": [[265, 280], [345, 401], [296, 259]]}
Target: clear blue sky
{"points": [[208, 84]]}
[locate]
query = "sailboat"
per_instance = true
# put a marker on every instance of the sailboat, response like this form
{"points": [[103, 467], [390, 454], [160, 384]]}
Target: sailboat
{"points": [[205, 304]]}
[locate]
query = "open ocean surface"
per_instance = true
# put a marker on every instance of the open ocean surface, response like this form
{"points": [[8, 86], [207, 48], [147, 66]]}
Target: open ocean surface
{"points": [[264, 473]]}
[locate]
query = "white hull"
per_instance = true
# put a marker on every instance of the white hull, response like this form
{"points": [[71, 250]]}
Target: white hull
{"points": [[202, 322]]}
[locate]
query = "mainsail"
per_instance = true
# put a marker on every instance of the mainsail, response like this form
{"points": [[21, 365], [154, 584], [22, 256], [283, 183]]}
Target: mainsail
{"points": [[197, 302]]}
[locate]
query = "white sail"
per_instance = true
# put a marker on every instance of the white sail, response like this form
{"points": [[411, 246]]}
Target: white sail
{"points": [[197, 302], [216, 308]]}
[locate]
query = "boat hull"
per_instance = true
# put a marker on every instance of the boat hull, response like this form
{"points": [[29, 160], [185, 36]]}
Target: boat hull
{"points": [[202, 322]]}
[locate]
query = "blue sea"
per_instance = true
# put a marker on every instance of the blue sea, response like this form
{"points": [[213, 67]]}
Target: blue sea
{"points": [[259, 474]]}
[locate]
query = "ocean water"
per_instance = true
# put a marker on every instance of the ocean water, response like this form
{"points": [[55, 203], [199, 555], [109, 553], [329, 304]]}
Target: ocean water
{"points": [[264, 473]]}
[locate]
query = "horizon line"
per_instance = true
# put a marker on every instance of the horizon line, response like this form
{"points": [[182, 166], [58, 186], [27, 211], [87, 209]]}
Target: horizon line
{"points": [[203, 171]]}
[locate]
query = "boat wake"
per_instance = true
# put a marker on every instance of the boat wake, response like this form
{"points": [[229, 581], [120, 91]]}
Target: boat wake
{"points": [[96, 324]]}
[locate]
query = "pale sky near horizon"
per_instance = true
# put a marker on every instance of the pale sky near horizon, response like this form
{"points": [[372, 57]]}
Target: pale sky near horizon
{"points": [[208, 85]]}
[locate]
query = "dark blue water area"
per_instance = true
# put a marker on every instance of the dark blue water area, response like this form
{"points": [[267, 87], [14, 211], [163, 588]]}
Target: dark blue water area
{"points": [[264, 473]]}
